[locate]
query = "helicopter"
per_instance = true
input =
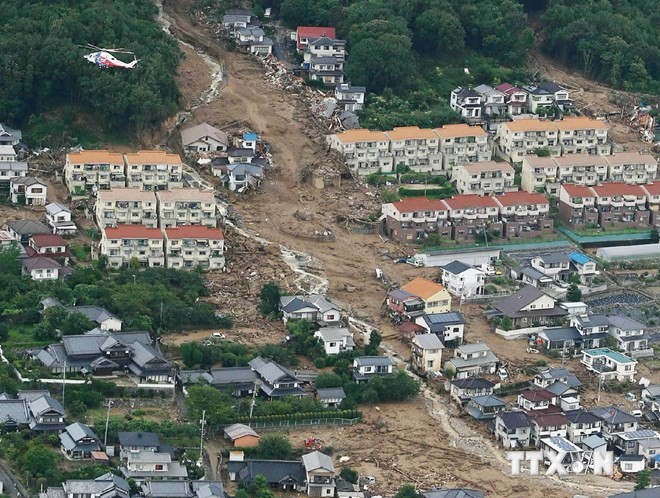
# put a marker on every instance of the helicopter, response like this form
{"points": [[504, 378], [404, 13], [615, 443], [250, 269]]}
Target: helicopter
{"points": [[103, 57]]}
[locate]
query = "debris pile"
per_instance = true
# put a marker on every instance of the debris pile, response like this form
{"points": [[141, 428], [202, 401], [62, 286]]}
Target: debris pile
{"points": [[644, 123]]}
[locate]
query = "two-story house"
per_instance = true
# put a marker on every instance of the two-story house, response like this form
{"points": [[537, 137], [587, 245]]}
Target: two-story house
{"points": [[484, 408], [484, 178], [276, 381], [577, 207], [472, 360], [609, 364], [42, 268], [462, 390], [581, 424], [621, 205], [48, 245], [313, 308], [305, 34], [22, 230], [154, 170], [323, 46], [529, 306], [134, 442], [513, 429], [593, 329], [414, 219], [652, 191], [237, 381], [472, 216], [106, 486], [320, 474], [629, 333], [631, 167], [565, 397], [328, 70], [546, 424], [60, 219], [545, 95], [335, 339], [28, 190], [463, 280], [651, 397], [78, 442], [435, 296], [416, 148], [368, 367], [514, 98], [426, 353], [614, 421], [585, 267], [492, 100], [126, 206], [536, 399], [191, 246], [46, 414], [524, 214], [11, 170], [9, 136], [449, 327], [350, 97], [204, 138], [8, 154], [253, 39], [461, 143], [124, 244], [149, 465], [467, 103], [364, 151], [236, 19], [556, 265], [92, 170], [549, 376]]}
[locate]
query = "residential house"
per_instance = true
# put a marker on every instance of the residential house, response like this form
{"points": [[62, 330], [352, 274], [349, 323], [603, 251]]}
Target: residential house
{"points": [[192, 246], [435, 296], [628, 443], [105, 321], [182, 489], [236, 18], [249, 140], [632, 464], [50, 246], [135, 442], [7, 239], [609, 364], [536, 399], [556, 265], [462, 390], [347, 489], [319, 474], [565, 397], [416, 148], [467, 102], [472, 360], [364, 151], [631, 167], [9, 136], [59, 217], [524, 215], [35, 410], [484, 178], [581, 169], [649, 449], [22, 230], [335, 339], [449, 327], [415, 219], [242, 436], [276, 381], [148, 365], [330, 397], [106, 486], [305, 34], [577, 207], [204, 138], [594, 443], [614, 421], [621, 206], [514, 98], [78, 442], [473, 217], [629, 333], [564, 338], [546, 425], [404, 305], [463, 280], [461, 144], [282, 475], [513, 429], [426, 353], [585, 266], [555, 446], [254, 40], [242, 176], [367, 367], [154, 170], [151, 465], [28, 190], [314, 308], [328, 70], [485, 407], [323, 46], [238, 381], [527, 307], [42, 268], [651, 397], [547, 94], [522, 136], [125, 206], [350, 97], [8, 154], [11, 170], [581, 425], [549, 376], [125, 244], [531, 276], [492, 101], [92, 170]]}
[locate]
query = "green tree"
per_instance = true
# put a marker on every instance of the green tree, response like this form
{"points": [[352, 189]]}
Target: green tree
{"points": [[541, 151], [4, 332], [274, 447], [574, 294], [9, 263], [643, 479], [438, 31], [217, 404], [406, 491], [349, 474], [385, 62], [506, 323], [374, 343], [269, 299], [325, 380], [76, 323], [39, 461]]}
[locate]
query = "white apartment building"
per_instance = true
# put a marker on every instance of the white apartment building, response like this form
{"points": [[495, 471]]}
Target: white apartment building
{"points": [[484, 178], [461, 143], [188, 246], [415, 147], [364, 151], [124, 244], [186, 206], [520, 137], [581, 169], [631, 167], [539, 173], [125, 206], [90, 170], [154, 170], [579, 135]]}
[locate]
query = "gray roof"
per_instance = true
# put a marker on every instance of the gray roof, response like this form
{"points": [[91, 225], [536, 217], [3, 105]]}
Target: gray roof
{"points": [[83, 344], [270, 371], [558, 388], [593, 442], [457, 267], [45, 404], [428, 341], [334, 334], [533, 273], [28, 227], [147, 456], [27, 181], [452, 493], [7, 131], [488, 400], [512, 305], [233, 375], [374, 360], [561, 334], [40, 263], [54, 208], [240, 152], [581, 417], [99, 486], [96, 314], [274, 471], [442, 319], [351, 89], [208, 489], [194, 133], [642, 493], [79, 431], [143, 354], [654, 390], [317, 460], [555, 257], [560, 373], [294, 304], [401, 295], [13, 166], [143, 439], [473, 383], [473, 348], [331, 393], [613, 415], [235, 431], [245, 169], [320, 302], [624, 323], [166, 489], [14, 411], [514, 420], [593, 321]]}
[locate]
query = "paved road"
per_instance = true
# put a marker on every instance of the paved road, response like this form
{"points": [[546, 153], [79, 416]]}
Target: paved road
{"points": [[9, 479]]}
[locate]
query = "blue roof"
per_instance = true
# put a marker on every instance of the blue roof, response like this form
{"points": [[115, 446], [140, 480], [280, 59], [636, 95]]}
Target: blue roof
{"points": [[580, 258], [250, 136]]}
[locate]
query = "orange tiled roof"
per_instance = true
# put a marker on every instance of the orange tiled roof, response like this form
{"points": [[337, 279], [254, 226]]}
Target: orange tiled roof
{"points": [[623, 158], [423, 287], [478, 167], [152, 157], [411, 133], [132, 232], [194, 232], [361, 135], [95, 157], [461, 130], [531, 125], [580, 123]]}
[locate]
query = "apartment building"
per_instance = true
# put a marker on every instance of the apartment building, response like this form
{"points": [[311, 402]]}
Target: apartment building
{"points": [[186, 206], [581, 169], [461, 143], [125, 244], [125, 206], [90, 170], [520, 137], [539, 174], [364, 151], [194, 246], [524, 214], [631, 167], [471, 215], [154, 170], [416, 148], [621, 205], [577, 206], [484, 178], [579, 135], [411, 220], [652, 191]]}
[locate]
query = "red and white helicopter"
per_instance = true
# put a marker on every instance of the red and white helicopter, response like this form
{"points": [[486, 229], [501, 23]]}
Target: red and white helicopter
{"points": [[103, 57]]}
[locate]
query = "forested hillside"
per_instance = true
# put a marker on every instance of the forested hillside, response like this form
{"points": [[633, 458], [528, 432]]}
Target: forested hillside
{"points": [[42, 68], [614, 41]]}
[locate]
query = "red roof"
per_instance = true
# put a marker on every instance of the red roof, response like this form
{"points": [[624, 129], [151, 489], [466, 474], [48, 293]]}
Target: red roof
{"points": [[311, 32], [415, 204], [554, 419], [507, 88], [194, 232], [470, 201], [48, 240], [612, 189], [521, 198], [578, 190], [132, 232], [652, 188], [538, 395]]}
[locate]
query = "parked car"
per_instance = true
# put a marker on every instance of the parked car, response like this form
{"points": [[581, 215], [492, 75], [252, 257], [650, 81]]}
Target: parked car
{"points": [[415, 262], [217, 335]]}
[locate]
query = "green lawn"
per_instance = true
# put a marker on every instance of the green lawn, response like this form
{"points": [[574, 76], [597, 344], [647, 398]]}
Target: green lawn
{"points": [[21, 337]]}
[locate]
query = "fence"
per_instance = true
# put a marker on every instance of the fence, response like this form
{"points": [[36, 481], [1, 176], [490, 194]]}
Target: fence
{"points": [[288, 424], [518, 333]]}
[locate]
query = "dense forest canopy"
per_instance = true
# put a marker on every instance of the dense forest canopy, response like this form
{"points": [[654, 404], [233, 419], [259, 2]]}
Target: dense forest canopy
{"points": [[615, 41], [42, 67]]}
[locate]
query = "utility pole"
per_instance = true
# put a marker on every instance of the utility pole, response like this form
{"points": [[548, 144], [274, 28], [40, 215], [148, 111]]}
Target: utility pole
{"points": [[254, 396], [107, 420], [201, 437], [600, 382], [63, 382]]}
